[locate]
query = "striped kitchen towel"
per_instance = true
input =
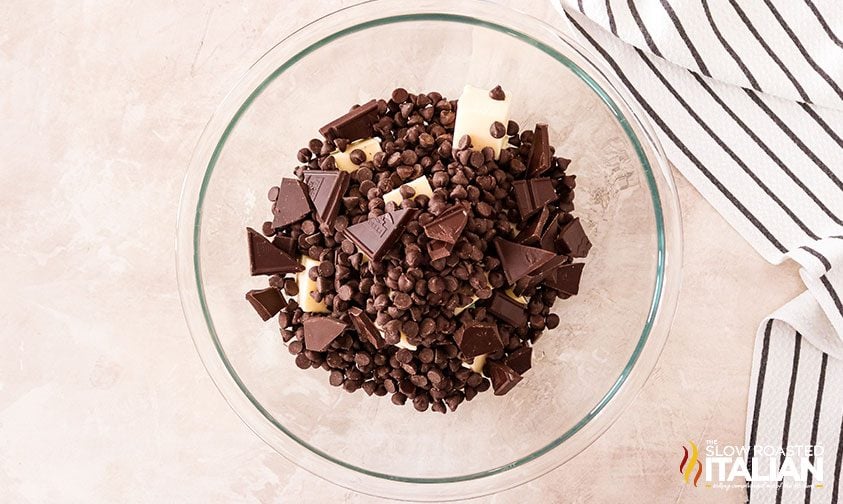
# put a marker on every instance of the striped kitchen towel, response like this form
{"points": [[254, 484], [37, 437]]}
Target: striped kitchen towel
{"points": [[747, 100]]}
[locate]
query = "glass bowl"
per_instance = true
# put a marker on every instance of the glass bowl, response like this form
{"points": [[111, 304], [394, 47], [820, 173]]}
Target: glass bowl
{"points": [[584, 372]]}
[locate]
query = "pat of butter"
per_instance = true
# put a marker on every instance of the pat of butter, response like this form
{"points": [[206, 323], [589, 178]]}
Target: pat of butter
{"points": [[461, 309], [306, 286], [477, 365], [405, 343], [420, 185], [520, 299], [476, 111], [370, 146]]}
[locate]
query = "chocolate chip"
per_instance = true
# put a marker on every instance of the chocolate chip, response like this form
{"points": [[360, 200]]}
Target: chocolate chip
{"points": [[400, 95], [497, 130], [357, 157], [497, 93], [421, 402]]}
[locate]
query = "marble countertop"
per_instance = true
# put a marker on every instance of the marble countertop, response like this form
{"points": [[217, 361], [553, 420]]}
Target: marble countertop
{"points": [[102, 395]]}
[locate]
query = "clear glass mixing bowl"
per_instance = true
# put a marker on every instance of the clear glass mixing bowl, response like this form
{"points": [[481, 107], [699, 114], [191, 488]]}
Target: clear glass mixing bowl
{"points": [[584, 372]]}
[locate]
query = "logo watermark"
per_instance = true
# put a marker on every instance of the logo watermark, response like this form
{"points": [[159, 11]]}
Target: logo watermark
{"points": [[736, 466]]}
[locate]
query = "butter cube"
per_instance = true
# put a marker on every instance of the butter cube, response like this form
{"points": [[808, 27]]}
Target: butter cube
{"points": [[521, 299], [420, 185], [405, 343], [477, 365], [476, 111], [306, 286], [370, 146], [461, 309]]}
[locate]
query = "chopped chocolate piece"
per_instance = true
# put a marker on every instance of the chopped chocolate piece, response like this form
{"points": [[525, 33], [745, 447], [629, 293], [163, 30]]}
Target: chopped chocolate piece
{"points": [[566, 279], [267, 259], [531, 195], [539, 152], [326, 190], [365, 327], [497, 93], [540, 274], [520, 260], [573, 240], [290, 204], [267, 302], [520, 360], [532, 234], [548, 239], [354, 125], [319, 332], [376, 236], [285, 243], [507, 309], [478, 338], [448, 226], [439, 249], [503, 377]]}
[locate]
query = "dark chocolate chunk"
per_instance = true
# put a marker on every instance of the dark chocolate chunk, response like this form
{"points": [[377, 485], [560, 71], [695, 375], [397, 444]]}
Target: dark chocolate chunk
{"points": [[539, 275], [354, 125], [376, 236], [533, 194], [325, 190], [540, 159], [439, 249], [476, 338], [520, 360], [267, 302], [448, 226], [497, 93], [507, 309], [503, 377], [573, 240], [285, 243], [365, 327], [290, 204], [548, 238], [519, 260], [267, 259], [566, 279], [532, 233], [319, 332]]}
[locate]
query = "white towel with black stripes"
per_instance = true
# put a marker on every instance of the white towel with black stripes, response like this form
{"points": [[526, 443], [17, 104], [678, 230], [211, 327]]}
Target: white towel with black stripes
{"points": [[747, 100]]}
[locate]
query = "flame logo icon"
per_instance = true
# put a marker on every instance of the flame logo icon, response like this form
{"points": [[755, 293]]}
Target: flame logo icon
{"points": [[689, 462]]}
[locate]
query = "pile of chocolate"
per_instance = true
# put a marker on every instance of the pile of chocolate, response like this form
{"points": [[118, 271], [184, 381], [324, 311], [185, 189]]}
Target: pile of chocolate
{"points": [[405, 263]]}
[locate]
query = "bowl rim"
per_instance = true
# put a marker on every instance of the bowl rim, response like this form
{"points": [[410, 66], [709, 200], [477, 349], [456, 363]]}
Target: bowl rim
{"points": [[386, 12]]}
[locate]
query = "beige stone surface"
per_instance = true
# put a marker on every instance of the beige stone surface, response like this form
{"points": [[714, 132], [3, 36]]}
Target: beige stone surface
{"points": [[102, 396]]}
